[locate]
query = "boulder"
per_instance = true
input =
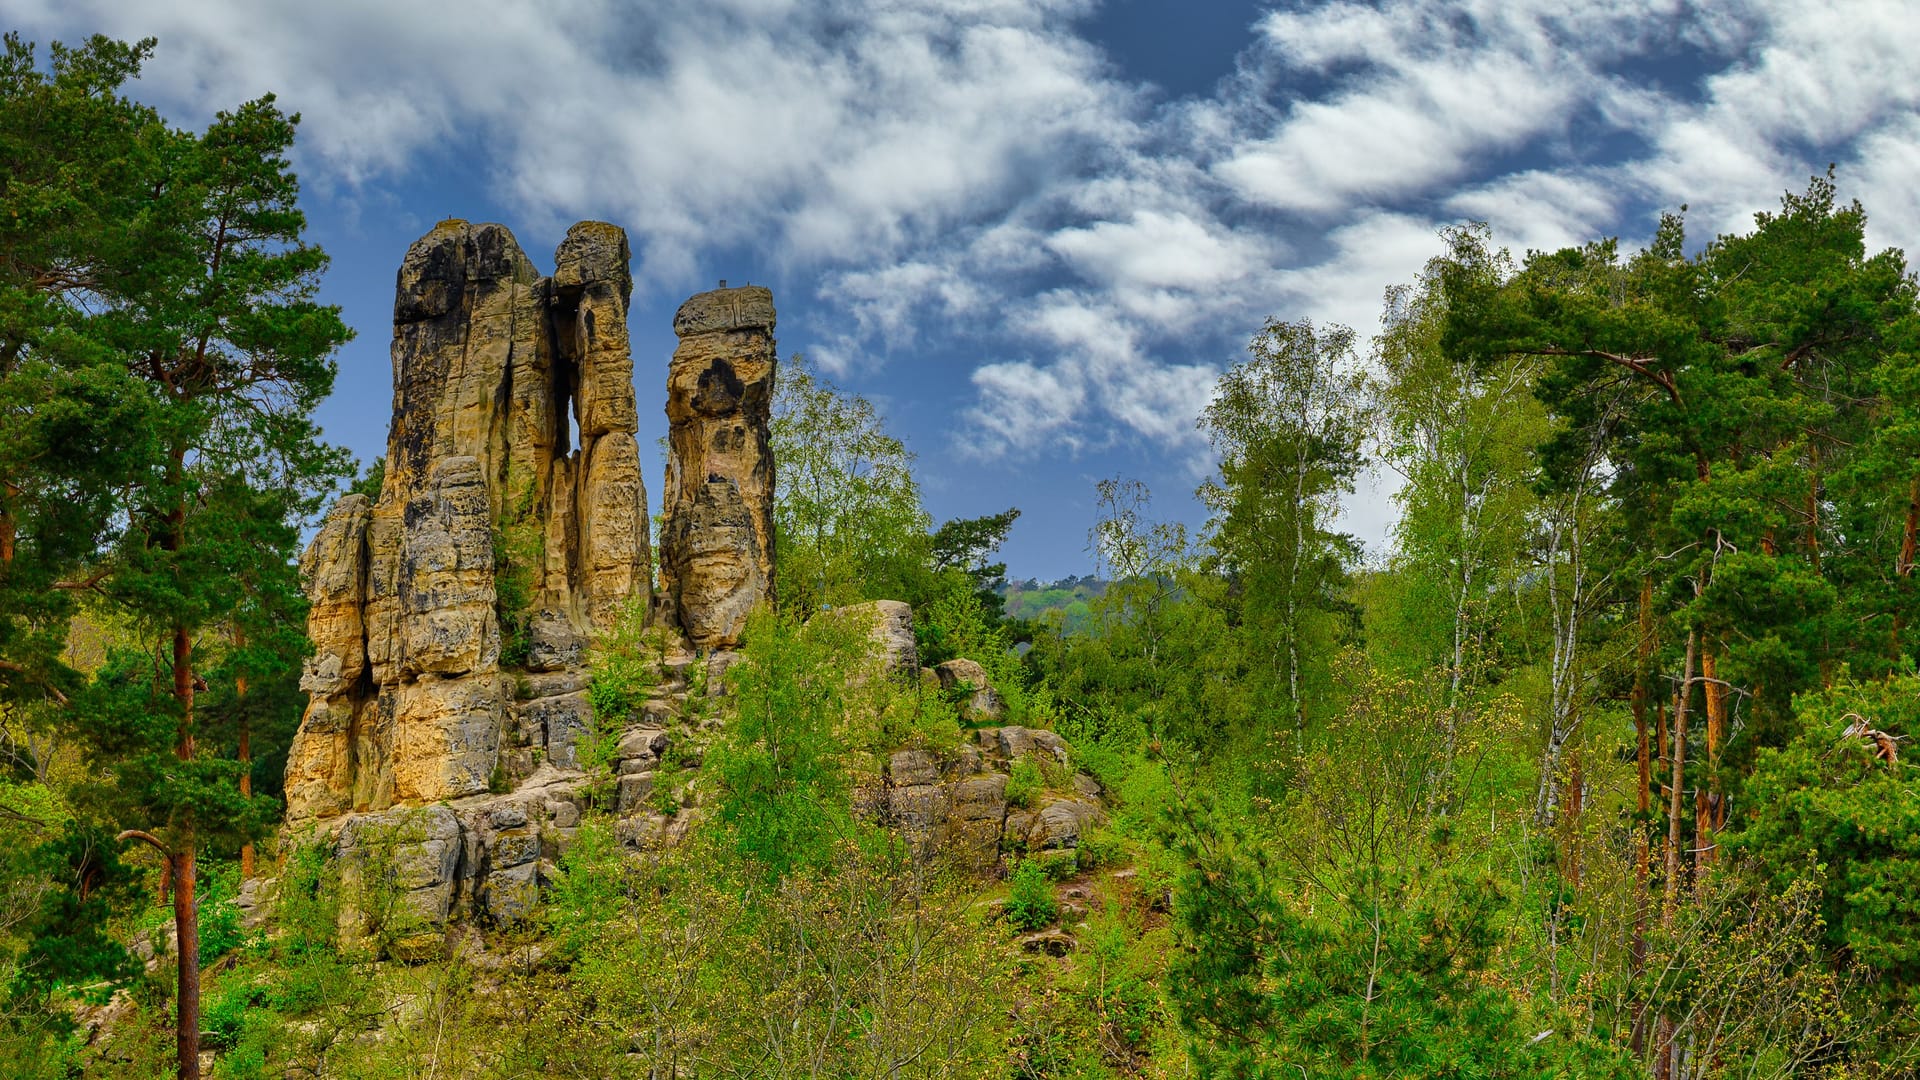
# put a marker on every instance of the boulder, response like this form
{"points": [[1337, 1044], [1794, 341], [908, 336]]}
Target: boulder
{"points": [[890, 625], [981, 703], [1009, 744], [1052, 941]]}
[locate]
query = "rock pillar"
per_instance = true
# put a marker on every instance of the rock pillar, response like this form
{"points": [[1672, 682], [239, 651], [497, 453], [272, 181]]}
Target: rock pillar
{"points": [[495, 542], [716, 540]]}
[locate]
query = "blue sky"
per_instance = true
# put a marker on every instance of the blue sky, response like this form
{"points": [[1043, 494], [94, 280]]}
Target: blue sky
{"points": [[1032, 232]]}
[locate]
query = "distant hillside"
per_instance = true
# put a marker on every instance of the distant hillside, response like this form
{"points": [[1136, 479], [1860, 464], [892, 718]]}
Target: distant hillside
{"points": [[1071, 596]]}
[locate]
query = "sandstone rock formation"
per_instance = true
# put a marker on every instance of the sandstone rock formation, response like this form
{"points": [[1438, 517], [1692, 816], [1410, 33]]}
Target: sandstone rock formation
{"points": [[492, 532], [891, 633], [957, 806], [981, 704], [449, 746], [716, 536]]}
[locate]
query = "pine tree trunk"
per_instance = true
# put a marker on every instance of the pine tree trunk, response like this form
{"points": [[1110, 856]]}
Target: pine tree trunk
{"points": [[246, 782], [186, 921], [1710, 797], [246, 754], [186, 915], [7, 528]]}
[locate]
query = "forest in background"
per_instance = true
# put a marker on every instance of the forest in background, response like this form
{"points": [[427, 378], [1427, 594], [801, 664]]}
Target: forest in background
{"points": [[1599, 772]]}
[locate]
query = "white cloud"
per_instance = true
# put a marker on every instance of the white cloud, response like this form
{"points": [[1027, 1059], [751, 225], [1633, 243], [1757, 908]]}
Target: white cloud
{"points": [[1157, 250], [981, 173], [836, 130], [1024, 406], [1541, 209], [1883, 173], [1422, 126], [1814, 79]]}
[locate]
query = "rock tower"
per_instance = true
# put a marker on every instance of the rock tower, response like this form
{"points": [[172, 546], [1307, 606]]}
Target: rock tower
{"points": [[493, 535], [716, 539], [451, 614]]}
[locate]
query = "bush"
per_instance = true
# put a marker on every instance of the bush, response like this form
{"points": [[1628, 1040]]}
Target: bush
{"points": [[225, 1014], [1030, 903], [220, 929], [626, 667], [1025, 781], [780, 768], [1057, 865], [1101, 847]]}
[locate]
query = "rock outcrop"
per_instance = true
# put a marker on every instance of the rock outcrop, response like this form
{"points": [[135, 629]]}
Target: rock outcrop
{"points": [[891, 631], [493, 536], [979, 702], [956, 806], [716, 535], [449, 747]]}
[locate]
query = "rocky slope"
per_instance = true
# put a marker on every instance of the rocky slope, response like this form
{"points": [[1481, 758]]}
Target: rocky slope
{"points": [[449, 748]]}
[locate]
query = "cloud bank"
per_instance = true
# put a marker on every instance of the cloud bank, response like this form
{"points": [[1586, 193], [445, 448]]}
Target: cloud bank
{"points": [[990, 169]]}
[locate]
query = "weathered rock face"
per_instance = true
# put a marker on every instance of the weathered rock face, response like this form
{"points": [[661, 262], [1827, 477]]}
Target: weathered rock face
{"points": [[981, 704], [891, 633], [487, 509], [485, 855], [957, 807], [716, 539]]}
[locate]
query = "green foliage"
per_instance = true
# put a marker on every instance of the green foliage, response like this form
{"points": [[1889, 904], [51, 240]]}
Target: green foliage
{"points": [[131, 720], [220, 929], [1288, 426], [1025, 783], [1068, 600], [370, 482], [1100, 847], [1825, 798], [965, 545], [676, 965], [158, 304], [519, 552], [1384, 822], [625, 663], [783, 788], [1030, 903], [1386, 980], [848, 524]]}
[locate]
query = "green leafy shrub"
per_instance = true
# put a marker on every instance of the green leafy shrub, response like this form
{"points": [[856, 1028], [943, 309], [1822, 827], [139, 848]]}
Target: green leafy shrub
{"points": [[780, 770], [220, 929], [1101, 847], [626, 666], [519, 549], [225, 1013], [1025, 782], [1828, 796], [1030, 904], [1057, 865]]}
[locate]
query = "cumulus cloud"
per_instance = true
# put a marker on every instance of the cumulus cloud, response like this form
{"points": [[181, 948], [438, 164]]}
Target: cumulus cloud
{"points": [[981, 171], [836, 129]]}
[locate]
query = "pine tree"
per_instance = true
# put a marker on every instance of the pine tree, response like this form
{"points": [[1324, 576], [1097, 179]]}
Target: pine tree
{"points": [[159, 300]]}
